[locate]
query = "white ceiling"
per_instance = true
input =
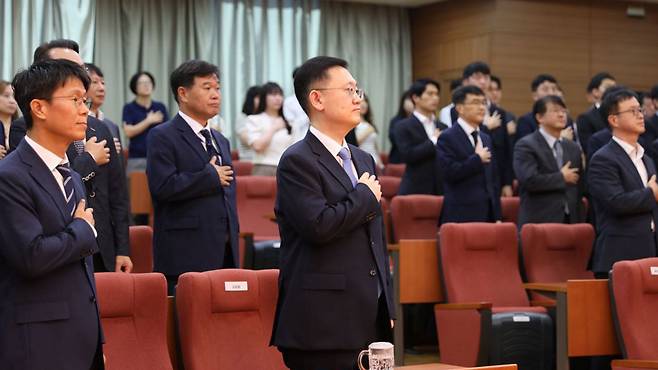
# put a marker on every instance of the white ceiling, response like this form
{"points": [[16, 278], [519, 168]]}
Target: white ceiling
{"points": [[406, 3]]}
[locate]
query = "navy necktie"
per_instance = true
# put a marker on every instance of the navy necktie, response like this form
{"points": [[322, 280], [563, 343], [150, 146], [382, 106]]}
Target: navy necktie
{"points": [[212, 152], [69, 191], [345, 155], [475, 136]]}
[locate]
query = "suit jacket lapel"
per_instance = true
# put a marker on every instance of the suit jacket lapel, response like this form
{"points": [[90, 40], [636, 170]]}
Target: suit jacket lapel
{"points": [[222, 150], [327, 160], [465, 141], [43, 176], [546, 152], [190, 137], [360, 163]]}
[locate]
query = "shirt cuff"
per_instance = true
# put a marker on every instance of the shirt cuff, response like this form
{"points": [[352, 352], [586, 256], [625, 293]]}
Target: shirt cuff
{"points": [[92, 228]]}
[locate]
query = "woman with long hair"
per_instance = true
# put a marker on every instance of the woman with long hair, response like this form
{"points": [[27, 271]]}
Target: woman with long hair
{"points": [[366, 132], [268, 132], [8, 113], [249, 107]]}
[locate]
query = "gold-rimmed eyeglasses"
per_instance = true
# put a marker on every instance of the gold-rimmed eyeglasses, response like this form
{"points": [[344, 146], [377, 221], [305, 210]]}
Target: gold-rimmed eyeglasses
{"points": [[351, 91], [635, 111], [78, 102]]}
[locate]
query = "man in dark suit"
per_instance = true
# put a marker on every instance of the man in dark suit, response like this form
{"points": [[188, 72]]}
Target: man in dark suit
{"points": [[591, 121], [622, 183], [191, 180], [548, 169], [101, 170], [416, 141], [335, 290], [48, 313], [96, 94], [469, 166]]}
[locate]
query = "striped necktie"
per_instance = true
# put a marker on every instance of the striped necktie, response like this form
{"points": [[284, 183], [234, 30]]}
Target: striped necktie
{"points": [[69, 191], [212, 152]]}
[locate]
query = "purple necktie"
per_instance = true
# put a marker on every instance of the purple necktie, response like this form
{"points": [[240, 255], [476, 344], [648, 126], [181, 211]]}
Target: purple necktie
{"points": [[344, 154]]}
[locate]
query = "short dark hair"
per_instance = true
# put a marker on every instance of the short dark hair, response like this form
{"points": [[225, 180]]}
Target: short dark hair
{"points": [[612, 98], [184, 75], [654, 92], [314, 69], [459, 95], [456, 83], [540, 79], [541, 104], [41, 53], [496, 79], [418, 87], [92, 68], [135, 77], [248, 105], [476, 67], [41, 79], [597, 80]]}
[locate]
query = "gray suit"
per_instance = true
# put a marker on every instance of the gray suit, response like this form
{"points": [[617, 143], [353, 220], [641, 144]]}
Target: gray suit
{"points": [[542, 187]]}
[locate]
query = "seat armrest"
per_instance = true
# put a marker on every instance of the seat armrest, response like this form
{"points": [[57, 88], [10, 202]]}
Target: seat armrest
{"points": [[638, 364], [392, 247], [542, 303], [464, 306]]}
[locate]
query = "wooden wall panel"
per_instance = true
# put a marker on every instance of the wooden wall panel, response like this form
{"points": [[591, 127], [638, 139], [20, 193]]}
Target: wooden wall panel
{"points": [[571, 39]]}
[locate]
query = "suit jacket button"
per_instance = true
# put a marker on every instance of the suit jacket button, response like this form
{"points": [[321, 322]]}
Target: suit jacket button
{"points": [[373, 272], [92, 299]]}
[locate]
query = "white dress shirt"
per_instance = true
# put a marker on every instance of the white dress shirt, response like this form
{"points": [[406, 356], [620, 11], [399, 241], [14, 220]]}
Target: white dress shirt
{"points": [[52, 160], [635, 153], [334, 147], [197, 128], [444, 114], [428, 125], [469, 130]]}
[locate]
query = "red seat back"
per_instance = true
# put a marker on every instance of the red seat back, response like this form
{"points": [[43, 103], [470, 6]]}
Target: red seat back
{"points": [[480, 263], [256, 196], [555, 253], [635, 304], [394, 169], [133, 309], [390, 186], [415, 216], [225, 319], [509, 207], [242, 168], [141, 248]]}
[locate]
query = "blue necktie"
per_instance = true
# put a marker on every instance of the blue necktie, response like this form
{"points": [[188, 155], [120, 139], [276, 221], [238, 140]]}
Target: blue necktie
{"points": [[212, 152], [344, 154], [65, 171]]}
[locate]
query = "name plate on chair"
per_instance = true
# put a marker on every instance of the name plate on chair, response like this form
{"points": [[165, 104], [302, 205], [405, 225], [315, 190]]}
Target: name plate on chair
{"points": [[521, 318], [236, 286], [654, 270]]}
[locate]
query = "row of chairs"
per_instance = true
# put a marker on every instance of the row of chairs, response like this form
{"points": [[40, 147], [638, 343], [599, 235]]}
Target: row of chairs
{"points": [[223, 320]]}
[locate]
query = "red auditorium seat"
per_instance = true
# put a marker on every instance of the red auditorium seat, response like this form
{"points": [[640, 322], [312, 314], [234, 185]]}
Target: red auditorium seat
{"points": [[133, 310], [510, 208], [393, 169], [242, 168], [415, 216], [554, 253], [634, 295], [390, 186], [481, 276], [225, 319], [141, 248], [235, 155], [255, 197], [140, 195], [384, 157]]}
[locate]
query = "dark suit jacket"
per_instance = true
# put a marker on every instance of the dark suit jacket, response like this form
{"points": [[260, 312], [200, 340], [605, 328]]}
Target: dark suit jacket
{"points": [[624, 208], [602, 137], [16, 133], [469, 186], [542, 187], [422, 174], [48, 313], [194, 215], [333, 252], [394, 154], [588, 124], [107, 193]]}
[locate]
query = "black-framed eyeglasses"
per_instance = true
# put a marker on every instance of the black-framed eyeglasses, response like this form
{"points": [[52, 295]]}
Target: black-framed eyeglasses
{"points": [[351, 91], [635, 111]]}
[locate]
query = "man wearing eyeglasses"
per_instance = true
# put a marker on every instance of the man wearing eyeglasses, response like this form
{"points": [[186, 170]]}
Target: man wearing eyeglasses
{"points": [[335, 290], [622, 185], [468, 162], [549, 168], [101, 171], [48, 312]]}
